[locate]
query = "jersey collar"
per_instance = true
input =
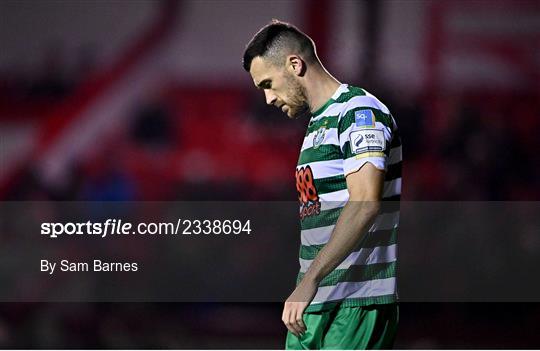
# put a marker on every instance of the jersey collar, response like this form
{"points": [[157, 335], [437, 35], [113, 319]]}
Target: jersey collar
{"points": [[343, 88]]}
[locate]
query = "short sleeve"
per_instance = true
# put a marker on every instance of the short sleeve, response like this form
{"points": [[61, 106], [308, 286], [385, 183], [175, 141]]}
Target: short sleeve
{"points": [[365, 135]]}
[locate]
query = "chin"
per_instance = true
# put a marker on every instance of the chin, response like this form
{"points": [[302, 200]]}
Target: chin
{"points": [[292, 116], [297, 114]]}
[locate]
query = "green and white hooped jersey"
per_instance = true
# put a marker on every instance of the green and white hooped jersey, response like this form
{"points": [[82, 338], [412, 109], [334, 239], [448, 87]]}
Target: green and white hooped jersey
{"points": [[352, 128]]}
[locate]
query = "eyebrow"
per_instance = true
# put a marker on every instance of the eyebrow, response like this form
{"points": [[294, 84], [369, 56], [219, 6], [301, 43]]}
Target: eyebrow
{"points": [[265, 82]]}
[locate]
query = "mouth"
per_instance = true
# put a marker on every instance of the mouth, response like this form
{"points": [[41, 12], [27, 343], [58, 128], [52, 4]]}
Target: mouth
{"points": [[284, 108]]}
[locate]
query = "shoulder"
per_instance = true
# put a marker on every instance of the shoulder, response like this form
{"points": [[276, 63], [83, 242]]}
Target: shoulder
{"points": [[357, 98], [362, 108]]}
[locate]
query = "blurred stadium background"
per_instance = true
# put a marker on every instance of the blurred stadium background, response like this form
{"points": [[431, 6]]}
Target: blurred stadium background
{"points": [[147, 100]]}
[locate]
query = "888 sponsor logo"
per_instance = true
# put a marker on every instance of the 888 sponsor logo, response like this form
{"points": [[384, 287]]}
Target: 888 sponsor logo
{"points": [[310, 204]]}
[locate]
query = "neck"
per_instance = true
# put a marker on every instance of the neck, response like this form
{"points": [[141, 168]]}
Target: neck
{"points": [[320, 88]]}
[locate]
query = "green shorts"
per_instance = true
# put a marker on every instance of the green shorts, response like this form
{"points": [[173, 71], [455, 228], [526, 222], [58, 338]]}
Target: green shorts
{"points": [[348, 328]]}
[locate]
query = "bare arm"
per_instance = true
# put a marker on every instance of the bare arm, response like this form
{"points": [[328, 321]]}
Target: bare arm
{"points": [[365, 188], [365, 192]]}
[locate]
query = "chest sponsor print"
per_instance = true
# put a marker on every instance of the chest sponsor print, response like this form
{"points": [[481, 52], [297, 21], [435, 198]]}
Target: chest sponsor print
{"points": [[308, 197]]}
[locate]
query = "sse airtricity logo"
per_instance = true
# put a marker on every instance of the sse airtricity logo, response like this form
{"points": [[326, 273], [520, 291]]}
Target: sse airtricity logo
{"points": [[367, 140], [358, 140]]}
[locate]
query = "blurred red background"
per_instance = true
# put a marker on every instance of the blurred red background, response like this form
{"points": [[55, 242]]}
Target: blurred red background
{"points": [[148, 100]]}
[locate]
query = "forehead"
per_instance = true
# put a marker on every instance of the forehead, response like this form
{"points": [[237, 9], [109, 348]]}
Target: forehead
{"points": [[261, 70]]}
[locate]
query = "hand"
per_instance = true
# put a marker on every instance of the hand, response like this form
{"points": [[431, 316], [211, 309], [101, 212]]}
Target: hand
{"points": [[296, 304]]}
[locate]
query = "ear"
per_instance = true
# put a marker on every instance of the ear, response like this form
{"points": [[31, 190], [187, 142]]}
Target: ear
{"points": [[296, 65]]}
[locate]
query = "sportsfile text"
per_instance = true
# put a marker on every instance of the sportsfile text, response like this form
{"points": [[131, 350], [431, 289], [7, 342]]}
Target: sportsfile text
{"points": [[120, 227]]}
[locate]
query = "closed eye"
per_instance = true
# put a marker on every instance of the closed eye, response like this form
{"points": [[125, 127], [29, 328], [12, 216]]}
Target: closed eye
{"points": [[265, 84]]}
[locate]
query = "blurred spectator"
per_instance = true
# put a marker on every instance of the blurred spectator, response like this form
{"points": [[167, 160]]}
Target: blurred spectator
{"points": [[52, 81], [153, 126]]}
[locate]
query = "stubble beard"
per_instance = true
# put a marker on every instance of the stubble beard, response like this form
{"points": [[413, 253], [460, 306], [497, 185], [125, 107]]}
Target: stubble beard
{"points": [[297, 96]]}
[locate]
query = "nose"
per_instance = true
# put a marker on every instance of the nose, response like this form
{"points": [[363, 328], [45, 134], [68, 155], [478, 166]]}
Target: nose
{"points": [[270, 98]]}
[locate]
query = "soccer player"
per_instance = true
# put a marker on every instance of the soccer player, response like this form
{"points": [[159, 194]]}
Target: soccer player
{"points": [[348, 179]]}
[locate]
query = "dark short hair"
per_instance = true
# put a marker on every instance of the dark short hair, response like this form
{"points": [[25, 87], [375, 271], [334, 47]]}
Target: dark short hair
{"points": [[272, 40]]}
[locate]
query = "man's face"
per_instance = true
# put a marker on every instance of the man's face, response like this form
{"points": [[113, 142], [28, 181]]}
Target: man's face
{"points": [[281, 87]]}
